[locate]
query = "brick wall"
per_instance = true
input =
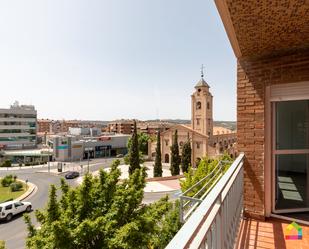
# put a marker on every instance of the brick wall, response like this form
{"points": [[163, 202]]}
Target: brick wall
{"points": [[253, 75]]}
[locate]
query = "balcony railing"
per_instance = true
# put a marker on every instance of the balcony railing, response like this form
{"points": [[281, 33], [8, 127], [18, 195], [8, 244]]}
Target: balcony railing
{"points": [[214, 223], [192, 197]]}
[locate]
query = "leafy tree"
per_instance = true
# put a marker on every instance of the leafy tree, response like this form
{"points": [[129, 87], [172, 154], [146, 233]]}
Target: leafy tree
{"points": [[6, 163], [2, 244], [186, 155], [52, 206], [126, 158], [205, 167], [7, 180], [142, 143], [104, 212], [134, 152], [157, 169], [175, 157]]}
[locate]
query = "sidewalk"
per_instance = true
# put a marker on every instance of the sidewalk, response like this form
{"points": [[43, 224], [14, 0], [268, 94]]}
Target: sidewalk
{"points": [[31, 188], [65, 168], [27, 167], [162, 186], [151, 186]]}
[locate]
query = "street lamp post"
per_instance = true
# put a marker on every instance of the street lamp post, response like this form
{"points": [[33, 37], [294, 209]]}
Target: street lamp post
{"points": [[88, 161], [48, 163]]}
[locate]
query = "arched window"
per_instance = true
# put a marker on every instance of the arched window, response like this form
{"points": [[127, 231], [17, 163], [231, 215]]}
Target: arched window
{"points": [[198, 105], [167, 158]]}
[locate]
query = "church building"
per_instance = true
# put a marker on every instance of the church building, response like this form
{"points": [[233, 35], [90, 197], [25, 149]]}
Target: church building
{"points": [[206, 140]]}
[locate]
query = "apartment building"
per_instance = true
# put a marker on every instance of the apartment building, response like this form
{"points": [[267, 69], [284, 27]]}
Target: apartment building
{"points": [[18, 127], [151, 128], [44, 125], [121, 126]]}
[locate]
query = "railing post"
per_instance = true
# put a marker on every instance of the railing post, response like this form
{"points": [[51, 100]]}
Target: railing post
{"points": [[181, 209]]}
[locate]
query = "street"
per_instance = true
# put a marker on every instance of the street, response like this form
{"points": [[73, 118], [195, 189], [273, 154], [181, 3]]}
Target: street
{"points": [[15, 231]]}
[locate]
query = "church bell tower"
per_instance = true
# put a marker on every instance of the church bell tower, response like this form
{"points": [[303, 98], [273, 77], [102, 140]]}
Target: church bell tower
{"points": [[202, 108]]}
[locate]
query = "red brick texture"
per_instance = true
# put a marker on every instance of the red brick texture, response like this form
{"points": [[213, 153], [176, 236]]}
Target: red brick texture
{"points": [[253, 75]]}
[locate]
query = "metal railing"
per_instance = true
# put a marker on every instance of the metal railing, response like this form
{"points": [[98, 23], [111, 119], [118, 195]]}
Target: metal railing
{"points": [[193, 196], [214, 223]]}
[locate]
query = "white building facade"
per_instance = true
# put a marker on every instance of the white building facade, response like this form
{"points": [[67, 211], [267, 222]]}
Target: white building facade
{"points": [[18, 127]]}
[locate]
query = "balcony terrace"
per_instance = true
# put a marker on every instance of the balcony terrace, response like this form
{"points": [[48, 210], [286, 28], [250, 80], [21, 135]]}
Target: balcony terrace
{"points": [[218, 221], [269, 234]]}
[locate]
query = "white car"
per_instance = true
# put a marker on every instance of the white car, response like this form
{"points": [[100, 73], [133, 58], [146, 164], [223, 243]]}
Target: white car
{"points": [[10, 208]]}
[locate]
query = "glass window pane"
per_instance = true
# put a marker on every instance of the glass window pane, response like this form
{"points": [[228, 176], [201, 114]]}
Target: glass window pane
{"points": [[292, 125], [291, 181]]}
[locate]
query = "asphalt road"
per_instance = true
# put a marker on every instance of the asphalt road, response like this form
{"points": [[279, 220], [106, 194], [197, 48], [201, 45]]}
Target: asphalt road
{"points": [[15, 231]]}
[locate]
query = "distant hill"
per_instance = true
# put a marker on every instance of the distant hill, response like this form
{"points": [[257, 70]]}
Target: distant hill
{"points": [[173, 121], [232, 125], [226, 124]]}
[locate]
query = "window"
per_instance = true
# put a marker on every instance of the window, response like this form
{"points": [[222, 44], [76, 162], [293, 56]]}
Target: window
{"points": [[198, 105], [18, 204], [197, 121], [32, 125], [166, 142], [8, 207], [181, 143], [208, 105], [198, 145]]}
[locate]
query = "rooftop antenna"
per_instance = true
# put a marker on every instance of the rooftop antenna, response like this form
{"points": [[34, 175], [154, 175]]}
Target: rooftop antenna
{"points": [[202, 71]]}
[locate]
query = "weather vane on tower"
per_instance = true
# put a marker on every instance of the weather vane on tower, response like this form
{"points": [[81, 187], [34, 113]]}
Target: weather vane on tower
{"points": [[202, 71]]}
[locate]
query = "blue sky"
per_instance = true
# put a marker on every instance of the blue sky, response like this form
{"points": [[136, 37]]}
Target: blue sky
{"points": [[105, 60]]}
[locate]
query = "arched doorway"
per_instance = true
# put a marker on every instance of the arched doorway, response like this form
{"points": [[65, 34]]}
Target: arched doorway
{"points": [[167, 158]]}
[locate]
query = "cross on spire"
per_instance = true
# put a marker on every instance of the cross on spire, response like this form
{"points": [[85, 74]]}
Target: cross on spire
{"points": [[202, 71]]}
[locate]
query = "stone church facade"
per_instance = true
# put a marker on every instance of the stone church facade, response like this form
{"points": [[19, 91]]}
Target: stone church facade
{"points": [[206, 140]]}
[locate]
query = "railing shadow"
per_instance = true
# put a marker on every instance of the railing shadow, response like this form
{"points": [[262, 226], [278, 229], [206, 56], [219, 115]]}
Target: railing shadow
{"points": [[260, 235]]}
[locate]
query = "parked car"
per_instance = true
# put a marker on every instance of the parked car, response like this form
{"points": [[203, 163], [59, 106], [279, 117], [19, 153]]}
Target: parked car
{"points": [[10, 208], [119, 156], [71, 175]]}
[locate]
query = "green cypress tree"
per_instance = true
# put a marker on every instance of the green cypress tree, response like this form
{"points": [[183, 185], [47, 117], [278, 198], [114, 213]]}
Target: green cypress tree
{"points": [[134, 152], [186, 156], [175, 158], [157, 170]]}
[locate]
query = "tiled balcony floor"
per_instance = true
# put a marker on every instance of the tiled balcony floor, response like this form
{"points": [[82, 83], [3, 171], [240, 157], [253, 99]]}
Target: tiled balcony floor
{"points": [[269, 234]]}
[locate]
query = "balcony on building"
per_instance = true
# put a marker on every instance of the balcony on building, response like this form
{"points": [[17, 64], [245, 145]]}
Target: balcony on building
{"points": [[267, 187]]}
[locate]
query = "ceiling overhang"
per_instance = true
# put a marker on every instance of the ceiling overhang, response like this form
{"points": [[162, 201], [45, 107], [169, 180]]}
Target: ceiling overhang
{"points": [[265, 27]]}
